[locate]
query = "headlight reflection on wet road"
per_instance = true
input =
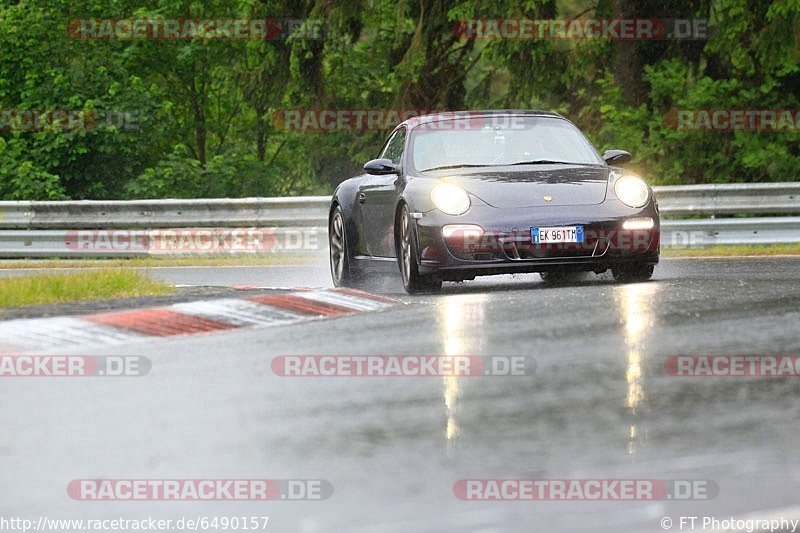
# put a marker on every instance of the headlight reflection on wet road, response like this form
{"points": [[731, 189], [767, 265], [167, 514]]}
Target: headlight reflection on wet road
{"points": [[460, 317], [635, 304]]}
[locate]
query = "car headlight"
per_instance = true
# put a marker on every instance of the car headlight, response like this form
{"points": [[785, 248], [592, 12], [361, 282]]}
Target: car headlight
{"points": [[450, 199], [632, 191]]}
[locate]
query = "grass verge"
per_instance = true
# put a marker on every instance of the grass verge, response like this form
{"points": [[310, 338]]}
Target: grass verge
{"points": [[19, 291], [737, 250]]}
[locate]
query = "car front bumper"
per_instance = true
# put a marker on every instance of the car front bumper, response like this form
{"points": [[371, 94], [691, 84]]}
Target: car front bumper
{"points": [[505, 244]]}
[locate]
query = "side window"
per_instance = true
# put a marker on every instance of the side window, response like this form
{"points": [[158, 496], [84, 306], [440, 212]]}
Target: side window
{"points": [[394, 148]]}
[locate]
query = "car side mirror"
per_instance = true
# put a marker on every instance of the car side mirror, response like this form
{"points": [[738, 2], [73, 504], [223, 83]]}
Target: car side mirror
{"points": [[616, 157], [381, 167]]}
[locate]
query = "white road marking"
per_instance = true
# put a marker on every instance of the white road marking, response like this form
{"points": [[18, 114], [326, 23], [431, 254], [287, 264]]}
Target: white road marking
{"points": [[344, 300], [238, 312], [61, 332]]}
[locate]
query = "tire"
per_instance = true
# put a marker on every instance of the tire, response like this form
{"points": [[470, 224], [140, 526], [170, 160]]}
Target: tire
{"points": [[632, 272], [407, 259], [554, 277], [563, 277], [339, 254]]}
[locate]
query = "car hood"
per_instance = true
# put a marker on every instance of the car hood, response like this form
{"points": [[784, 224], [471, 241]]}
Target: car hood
{"points": [[517, 187]]}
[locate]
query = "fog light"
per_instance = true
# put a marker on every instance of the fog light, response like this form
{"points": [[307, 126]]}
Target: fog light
{"points": [[639, 223], [464, 231], [463, 237]]}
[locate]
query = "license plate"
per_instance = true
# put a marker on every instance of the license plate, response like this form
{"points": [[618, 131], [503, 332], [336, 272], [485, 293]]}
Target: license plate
{"points": [[547, 235]]}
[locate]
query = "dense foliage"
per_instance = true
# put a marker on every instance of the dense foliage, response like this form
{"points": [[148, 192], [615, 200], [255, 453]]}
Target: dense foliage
{"points": [[205, 109]]}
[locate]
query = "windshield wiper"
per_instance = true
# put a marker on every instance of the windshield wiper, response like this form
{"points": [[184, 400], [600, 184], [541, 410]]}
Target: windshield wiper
{"points": [[445, 167], [543, 162]]}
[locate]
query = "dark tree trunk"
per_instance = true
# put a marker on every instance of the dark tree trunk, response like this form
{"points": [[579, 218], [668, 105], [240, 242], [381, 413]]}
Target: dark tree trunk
{"points": [[261, 135], [200, 130], [627, 58]]}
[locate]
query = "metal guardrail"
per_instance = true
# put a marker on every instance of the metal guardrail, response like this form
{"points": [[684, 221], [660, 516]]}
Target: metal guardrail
{"points": [[730, 199], [47, 229], [244, 212], [162, 242], [696, 233]]}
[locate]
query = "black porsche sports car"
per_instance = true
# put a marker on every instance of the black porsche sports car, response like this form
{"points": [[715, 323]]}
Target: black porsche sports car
{"points": [[456, 195]]}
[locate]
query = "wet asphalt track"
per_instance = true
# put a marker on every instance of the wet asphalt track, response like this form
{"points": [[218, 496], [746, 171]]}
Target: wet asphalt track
{"points": [[599, 406]]}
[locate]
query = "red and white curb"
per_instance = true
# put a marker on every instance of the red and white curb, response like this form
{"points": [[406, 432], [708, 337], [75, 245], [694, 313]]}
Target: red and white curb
{"points": [[189, 318]]}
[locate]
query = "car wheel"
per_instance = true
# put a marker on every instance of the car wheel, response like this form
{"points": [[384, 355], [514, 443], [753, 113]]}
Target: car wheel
{"points": [[632, 272], [413, 281], [340, 258]]}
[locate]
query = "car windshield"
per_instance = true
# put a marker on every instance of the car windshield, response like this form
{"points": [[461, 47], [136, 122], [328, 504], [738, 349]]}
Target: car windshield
{"points": [[499, 140]]}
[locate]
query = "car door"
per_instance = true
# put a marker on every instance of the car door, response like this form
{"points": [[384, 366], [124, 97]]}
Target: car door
{"points": [[377, 196]]}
